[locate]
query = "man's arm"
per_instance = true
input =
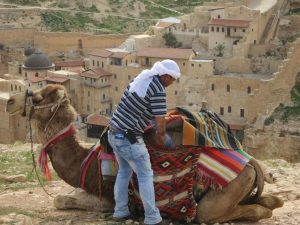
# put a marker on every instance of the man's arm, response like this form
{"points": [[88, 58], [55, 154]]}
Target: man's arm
{"points": [[160, 135]]}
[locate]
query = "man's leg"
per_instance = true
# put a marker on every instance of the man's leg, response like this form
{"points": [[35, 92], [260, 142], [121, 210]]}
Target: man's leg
{"points": [[140, 162], [120, 148]]}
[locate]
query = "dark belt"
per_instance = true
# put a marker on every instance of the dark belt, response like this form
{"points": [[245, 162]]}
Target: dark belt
{"points": [[127, 133]]}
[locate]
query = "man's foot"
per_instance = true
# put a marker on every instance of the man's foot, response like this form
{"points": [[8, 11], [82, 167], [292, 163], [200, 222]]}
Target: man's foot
{"points": [[121, 219]]}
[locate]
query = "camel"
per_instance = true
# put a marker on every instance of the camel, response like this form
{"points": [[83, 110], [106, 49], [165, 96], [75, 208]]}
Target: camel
{"points": [[51, 111]]}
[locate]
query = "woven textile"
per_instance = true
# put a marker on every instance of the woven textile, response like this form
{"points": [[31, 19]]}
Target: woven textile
{"points": [[222, 158], [173, 179]]}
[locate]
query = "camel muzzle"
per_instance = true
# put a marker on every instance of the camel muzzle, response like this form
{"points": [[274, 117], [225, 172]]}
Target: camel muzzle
{"points": [[15, 103]]}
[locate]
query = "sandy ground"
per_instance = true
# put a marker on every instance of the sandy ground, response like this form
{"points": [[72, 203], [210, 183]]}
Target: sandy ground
{"points": [[31, 206]]}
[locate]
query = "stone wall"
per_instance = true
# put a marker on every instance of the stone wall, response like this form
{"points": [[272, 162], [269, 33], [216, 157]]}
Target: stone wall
{"points": [[264, 141], [58, 41]]}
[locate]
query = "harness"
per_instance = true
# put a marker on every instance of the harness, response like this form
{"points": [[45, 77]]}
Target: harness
{"points": [[97, 151]]}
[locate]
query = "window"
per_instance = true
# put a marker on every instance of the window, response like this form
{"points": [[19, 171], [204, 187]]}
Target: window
{"points": [[199, 65], [244, 30], [183, 64], [16, 87], [242, 112], [222, 111], [212, 87], [223, 30], [80, 43], [102, 64], [219, 16], [249, 90], [212, 29], [192, 64], [254, 42], [36, 74], [116, 88], [115, 76], [229, 109], [98, 64], [20, 88], [103, 96], [218, 29], [88, 93], [88, 107], [234, 29], [94, 80], [175, 92], [26, 74], [228, 88], [11, 87], [93, 62]]}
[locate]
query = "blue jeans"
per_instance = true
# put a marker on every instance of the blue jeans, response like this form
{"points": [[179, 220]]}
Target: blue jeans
{"points": [[133, 157]]}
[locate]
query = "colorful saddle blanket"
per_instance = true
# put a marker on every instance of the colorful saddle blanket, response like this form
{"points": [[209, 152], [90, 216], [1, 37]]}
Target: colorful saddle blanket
{"points": [[210, 155]]}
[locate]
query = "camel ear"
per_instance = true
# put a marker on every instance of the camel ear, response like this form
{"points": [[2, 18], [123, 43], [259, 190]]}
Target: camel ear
{"points": [[60, 94]]}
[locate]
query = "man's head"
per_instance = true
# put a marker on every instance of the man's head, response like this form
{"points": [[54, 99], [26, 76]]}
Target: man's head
{"points": [[168, 70]]}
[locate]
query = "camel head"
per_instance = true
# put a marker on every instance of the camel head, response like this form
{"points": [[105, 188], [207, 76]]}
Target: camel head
{"points": [[43, 105]]}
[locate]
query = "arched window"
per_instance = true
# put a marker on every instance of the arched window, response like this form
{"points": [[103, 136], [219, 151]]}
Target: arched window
{"points": [[229, 109], [228, 88], [222, 111], [249, 90], [242, 113]]}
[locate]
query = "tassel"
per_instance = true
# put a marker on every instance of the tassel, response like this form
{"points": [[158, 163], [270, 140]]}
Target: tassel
{"points": [[43, 164]]}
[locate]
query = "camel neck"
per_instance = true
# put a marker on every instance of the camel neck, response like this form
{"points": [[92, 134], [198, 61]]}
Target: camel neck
{"points": [[66, 157]]}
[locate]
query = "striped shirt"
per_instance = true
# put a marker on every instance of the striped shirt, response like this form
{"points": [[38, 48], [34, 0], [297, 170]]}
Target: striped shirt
{"points": [[134, 112]]}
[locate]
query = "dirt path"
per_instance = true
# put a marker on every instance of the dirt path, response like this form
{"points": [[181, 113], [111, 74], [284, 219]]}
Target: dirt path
{"points": [[32, 206]]}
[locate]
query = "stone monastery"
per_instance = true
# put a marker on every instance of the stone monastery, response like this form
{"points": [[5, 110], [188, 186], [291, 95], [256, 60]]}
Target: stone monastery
{"points": [[222, 56]]}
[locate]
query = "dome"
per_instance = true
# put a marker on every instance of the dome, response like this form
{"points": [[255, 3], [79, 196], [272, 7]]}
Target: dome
{"points": [[28, 51], [38, 60]]}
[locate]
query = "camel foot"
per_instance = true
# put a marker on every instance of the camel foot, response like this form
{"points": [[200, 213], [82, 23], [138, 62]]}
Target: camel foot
{"points": [[81, 200], [270, 201]]}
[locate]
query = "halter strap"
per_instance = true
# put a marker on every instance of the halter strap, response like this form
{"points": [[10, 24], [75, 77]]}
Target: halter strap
{"points": [[43, 157]]}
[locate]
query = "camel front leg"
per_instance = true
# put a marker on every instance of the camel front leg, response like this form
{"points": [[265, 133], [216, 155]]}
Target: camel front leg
{"points": [[82, 200], [221, 205]]}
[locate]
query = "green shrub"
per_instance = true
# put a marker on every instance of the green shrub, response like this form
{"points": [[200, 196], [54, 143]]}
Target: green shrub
{"points": [[269, 121]]}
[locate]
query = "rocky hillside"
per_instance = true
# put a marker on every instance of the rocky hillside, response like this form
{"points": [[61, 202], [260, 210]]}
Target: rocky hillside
{"points": [[97, 16]]}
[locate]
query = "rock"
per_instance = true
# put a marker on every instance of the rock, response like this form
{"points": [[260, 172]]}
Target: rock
{"points": [[15, 178], [5, 220], [69, 222]]}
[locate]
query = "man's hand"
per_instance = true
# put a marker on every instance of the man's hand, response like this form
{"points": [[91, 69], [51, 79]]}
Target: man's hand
{"points": [[160, 135]]}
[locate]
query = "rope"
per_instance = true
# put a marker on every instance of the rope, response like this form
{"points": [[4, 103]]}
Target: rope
{"points": [[33, 159]]}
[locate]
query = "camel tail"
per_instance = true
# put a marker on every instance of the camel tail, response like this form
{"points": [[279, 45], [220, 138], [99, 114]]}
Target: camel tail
{"points": [[259, 182]]}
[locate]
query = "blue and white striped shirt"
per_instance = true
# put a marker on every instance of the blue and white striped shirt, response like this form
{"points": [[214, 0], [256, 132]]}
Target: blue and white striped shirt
{"points": [[134, 112]]}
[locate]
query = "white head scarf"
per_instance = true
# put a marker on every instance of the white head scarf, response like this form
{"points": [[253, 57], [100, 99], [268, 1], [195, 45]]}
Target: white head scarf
{"points": [[142, 81]]}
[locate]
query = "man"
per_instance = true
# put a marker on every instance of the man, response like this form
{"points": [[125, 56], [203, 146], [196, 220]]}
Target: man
{"points": [[143, 100]]}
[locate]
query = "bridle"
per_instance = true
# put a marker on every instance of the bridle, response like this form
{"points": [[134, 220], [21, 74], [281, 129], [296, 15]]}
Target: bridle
{"points": [[53, 106]]}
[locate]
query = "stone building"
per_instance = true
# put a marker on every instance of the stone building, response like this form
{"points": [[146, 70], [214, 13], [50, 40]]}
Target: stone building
{"points": [[12, 127], [36, 65]]}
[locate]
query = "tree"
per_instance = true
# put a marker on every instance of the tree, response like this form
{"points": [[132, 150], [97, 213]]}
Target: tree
{"points": [[220, 49], [171, 40]]}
